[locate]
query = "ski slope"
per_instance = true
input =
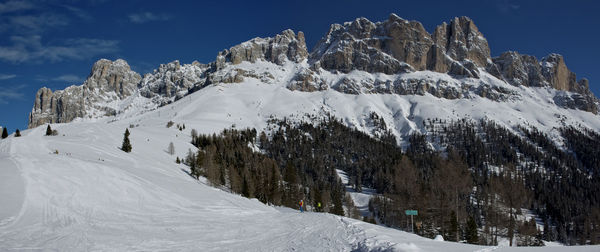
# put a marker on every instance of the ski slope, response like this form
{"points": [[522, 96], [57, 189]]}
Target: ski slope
{"points": [[77, 191]]}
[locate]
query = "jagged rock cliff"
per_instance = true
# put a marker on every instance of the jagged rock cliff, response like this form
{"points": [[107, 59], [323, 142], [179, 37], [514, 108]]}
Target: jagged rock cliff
{"points": [[172, 80], [398, 56], [284, 46], [397, 45], [108, 81]]}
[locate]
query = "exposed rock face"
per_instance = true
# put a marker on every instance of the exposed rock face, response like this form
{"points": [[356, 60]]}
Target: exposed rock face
{"points": [[172, 80], [107, 82], [557, 74], [551, 72], [519, 69], [308, 81], [284, 46], [60, 106], [390, 47], [397, 45], [462, 41], [108, 76]]}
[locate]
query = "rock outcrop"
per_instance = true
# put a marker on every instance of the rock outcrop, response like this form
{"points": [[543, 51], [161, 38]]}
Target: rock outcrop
{"points": [[397, 46], [551, 72], [109, 77], [393, 46], [284, 46], [108, 81], [172, 80]]}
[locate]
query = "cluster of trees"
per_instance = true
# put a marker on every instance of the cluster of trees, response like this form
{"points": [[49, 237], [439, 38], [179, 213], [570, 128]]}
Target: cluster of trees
{"points": [[5, 133], [438, 184], [472, 188], [230, 160], [524, 168]]}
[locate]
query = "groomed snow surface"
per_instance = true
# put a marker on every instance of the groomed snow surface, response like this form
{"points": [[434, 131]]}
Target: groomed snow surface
{"points": [[77, 191]]}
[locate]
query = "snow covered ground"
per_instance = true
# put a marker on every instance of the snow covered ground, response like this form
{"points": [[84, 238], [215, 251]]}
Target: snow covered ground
{"points": [[77, 191], [360, 199]]}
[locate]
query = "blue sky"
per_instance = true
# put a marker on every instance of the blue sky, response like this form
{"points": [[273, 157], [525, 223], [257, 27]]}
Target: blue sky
{"points": [[54, 43]]}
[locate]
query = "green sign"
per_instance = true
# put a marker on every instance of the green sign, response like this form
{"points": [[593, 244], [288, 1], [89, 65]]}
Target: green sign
{"points": [[411, 212]]}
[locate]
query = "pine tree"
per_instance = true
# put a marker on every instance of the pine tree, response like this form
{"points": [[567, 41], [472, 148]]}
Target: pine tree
{"points": [[337, 203], [178, 161], [17, 133], [453, 232], [126, 144], [471, 232], [48, 131], [291, 191], [245, 187], [547, 236], [511, 230], [274, 188], [4, 133]]}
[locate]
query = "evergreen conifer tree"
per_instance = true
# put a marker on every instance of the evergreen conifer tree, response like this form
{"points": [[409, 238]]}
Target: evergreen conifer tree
{"points": [[337, 203], [48, 131], [453, 232], [17, 133], [471, 232], [126, 147], [4, 133]]}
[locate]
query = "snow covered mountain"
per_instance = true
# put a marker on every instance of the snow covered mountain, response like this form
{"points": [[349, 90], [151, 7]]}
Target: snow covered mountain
{"points": [[450, 70]]}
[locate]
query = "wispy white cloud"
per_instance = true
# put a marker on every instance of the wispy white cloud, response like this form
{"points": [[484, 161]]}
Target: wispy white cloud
{"points": [[69, 78], [11, 93], [507, 6], [32, 49], [144, 17], [32, 24], [37, 23], [7, 76], [12, 6], [82, 14]]}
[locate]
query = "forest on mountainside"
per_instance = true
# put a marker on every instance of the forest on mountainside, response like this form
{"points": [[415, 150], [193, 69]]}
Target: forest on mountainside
{"points": [[474, 186]]}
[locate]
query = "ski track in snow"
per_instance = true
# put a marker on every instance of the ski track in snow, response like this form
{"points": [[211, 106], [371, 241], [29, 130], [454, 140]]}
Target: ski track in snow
{"points": [[93, 196]]}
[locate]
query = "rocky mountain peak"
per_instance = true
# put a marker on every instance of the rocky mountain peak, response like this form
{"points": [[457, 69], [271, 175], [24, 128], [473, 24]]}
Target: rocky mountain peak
{"points": [[282, 47], [108, 81], [397, 45], [112, 76], [557, 74], [172, 80], [463, 41]]}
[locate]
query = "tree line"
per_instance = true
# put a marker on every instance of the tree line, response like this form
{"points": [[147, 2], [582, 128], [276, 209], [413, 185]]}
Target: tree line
{"points": [[472, 187]]}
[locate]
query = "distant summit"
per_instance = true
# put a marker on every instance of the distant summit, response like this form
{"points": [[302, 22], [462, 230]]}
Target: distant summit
{"points": [[402, 54]]}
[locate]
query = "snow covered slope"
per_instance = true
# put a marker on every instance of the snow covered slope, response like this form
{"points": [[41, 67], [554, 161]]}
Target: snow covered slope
{"points": [[77, 191]]}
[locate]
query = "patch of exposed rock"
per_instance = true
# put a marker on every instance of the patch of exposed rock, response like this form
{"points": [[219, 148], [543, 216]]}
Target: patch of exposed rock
{"points": [[172, 81], [284, 46], [108, 81], [397, 45]]}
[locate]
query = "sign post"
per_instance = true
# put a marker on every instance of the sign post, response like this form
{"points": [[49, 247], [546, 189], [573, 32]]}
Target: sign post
{"points": [[411, 213]]}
